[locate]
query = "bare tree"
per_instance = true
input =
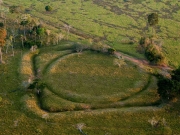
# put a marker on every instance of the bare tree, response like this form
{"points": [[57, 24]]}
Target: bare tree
{"points": [[22, 40], [14, 34], [80, 126], [67, 27], [8, 44]]}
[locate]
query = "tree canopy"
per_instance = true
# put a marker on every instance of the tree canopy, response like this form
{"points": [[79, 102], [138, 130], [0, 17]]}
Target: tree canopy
{"points": [[153, 19], [169, 88], [48, 8]]}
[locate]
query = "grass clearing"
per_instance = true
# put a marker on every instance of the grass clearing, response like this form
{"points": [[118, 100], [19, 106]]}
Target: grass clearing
{"points": [[87, 81]]}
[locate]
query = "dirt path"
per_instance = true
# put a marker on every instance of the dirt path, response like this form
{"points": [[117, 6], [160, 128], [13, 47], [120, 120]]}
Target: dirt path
{"points": [[164, 70]]}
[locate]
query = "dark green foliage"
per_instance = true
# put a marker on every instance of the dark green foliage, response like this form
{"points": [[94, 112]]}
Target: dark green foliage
{"points": [[48, 8], [33, 85], [40, 31], [1, 24], [153, 19], [169, 88], [176, 74], [37, 85], [111, 50], [142, 41], [30, 43], [24, 23], [154, 55]]}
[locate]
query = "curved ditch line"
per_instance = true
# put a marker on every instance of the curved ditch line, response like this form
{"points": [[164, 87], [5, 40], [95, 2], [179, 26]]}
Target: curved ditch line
{"points": [[55, 60], [75, 99], [142, 90], [59, 47], [107, 106], [114, 106], [40, 112]]}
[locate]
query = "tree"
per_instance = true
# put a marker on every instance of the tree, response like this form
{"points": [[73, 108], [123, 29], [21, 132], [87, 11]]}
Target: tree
{"points": [[169, 88], [40, 31], [22, 41], [14, 34], [67, 27], [48, 8], [9, 43], [3, 34], [153, 20], [25, 19], [111, 50], [154, 55]]}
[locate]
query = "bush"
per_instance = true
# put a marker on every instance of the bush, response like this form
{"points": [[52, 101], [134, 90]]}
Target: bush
{"points": [[111, 50], [1, 24], [169, 88], [48, 8], [154, 55], [16, 9], [29, 43]]}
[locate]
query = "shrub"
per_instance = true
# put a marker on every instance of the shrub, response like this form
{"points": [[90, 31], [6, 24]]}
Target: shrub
{"points": [[111, 50], [153, 19], [169, 88], [1, 24], [29, 43], [100, 48], [48, 8], [16, 9], [154, 55]]}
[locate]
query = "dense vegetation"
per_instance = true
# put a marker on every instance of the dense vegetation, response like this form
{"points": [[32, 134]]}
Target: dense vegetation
{"points": [[169, 88]]}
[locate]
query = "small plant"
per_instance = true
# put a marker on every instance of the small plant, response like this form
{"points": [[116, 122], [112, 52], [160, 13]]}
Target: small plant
{"points": [[48, 8], [161, 124], [45, 116], [80, 126]]}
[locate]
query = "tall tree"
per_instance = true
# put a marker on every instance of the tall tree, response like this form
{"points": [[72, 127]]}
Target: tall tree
{"points": [[9, 43], [153, 20], [25, 19], [22, 41], [3, 34]]}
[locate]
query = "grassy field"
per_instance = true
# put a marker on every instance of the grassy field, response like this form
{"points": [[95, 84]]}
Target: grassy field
{"points": [[94, 80], [88, 91], [20, 113], [90, 80], [114, 22]]}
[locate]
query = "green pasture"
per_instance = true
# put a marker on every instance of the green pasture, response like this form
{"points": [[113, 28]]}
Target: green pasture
{"points": [[88, 80], [88, 90], [18, 118], [111, 20]]}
